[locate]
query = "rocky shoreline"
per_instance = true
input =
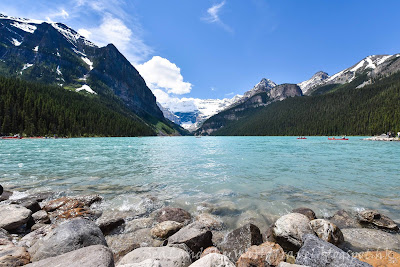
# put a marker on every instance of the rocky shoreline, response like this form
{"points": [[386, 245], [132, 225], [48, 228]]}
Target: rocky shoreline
{"points": [[47, 230]]}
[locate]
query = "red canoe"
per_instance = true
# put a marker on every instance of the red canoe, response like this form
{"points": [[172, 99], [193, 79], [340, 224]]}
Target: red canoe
{"points": [[301, 138], [333, 138]]}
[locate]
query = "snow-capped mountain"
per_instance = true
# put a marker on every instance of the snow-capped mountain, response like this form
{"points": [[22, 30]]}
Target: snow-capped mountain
{"points": [[53, 53], [264, 85], [373, 66], [190, 113]]}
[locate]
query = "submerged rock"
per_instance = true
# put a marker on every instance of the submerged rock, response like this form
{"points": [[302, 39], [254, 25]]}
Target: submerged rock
{"points": [[345, 219], [377, 219], [211, 222], [307, 212], [327, 231], [289, 229], [68, 236], [213, 260], [13, 216], [238, 241], [10, 255], [166, 256], [195, 236], [266, 254], [173, 214], [316, 252], [363, 239], [97, 255], [165, 229]]}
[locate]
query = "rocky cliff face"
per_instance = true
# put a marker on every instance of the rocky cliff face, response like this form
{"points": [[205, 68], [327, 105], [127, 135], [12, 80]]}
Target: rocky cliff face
{"points": [[53, 53], [317, 79]]}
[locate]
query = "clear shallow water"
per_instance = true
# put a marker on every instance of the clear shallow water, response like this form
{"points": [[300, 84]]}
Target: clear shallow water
{"points": [[239, 178]]}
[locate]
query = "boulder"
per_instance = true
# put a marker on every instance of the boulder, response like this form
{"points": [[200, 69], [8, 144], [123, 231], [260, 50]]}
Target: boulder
{"points": [[41, 216], [4, 234], [13, 216], [327, 231], [345, 219], [109, 224], [30, 239], [37, 226], [306, 211], [68, 236], [289, 229], [316, 252], [363, 239], [123, 243], [285, 264], [173, 214], [97, 255], [145, 263], [10, 255], [5, 195], [213, 260], [238, 241], [377, 219], [266, 254], [195, 236], [210, 250], [166, 256], [165, 229], [385, 258], [29, 203], [210, 221]]}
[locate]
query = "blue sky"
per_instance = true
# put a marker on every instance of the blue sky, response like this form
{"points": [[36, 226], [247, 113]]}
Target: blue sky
{"points": [[218, 48]]}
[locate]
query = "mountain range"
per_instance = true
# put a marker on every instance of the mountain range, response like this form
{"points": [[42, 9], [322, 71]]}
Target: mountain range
{"points": [[54, 54]]}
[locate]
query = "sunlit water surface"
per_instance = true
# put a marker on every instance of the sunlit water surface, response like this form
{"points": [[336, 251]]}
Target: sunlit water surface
{"points": [[238, 178]]}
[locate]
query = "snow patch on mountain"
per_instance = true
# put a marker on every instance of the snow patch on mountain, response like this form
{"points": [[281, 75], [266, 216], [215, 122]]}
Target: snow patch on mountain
{"points": [[24, 26], [88, 62], [86, 88], [15, 42], [58, 71], [27, 65], [36, 49], [317, 79]]}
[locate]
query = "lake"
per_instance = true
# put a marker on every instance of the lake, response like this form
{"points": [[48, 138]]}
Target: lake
{"points": [[238, 178]]}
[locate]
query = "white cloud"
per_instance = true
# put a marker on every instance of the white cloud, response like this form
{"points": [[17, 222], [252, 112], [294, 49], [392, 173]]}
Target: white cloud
{"points": [[85, 33], [214, 17], [160, 73]]}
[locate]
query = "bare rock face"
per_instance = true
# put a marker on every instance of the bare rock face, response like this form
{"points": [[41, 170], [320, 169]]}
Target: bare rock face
{"points": [[13, 216], [327, 231], [99, 256], [238, 241], [377, 219], [213, 260], [316, 252], [380, 258], [173, 214], [165, 229], [68, 236], [266, 254], [306, 211], [10, 255], [289, 229], [166, 256]]}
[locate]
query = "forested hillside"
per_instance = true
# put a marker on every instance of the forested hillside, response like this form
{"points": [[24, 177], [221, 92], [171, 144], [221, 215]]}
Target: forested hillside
{"points": [[332, 110], [35, 109]]}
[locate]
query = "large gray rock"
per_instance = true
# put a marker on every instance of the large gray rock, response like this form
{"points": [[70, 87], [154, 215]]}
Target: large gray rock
{"points": [[316, 252], [165, 229], [195, 236], [96, 256], [10, 255], [30, 239], [327, 231], [364, 239], [173, 214], [238, 241], [41, 216], [213, 260], [289, 229], [107, 223], [68, 236], [13, 216], [166, 256], [377, 219]]}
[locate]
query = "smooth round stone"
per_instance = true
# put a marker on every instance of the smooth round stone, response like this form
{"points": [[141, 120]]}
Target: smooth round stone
{"points": [[13, 216]]}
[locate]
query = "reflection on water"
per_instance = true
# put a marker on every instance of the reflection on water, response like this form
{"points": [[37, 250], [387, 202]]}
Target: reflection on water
{"points": [[249, 178]]}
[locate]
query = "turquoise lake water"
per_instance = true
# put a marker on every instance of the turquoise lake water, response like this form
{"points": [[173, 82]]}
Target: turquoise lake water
{"points": [[239, 178]]}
